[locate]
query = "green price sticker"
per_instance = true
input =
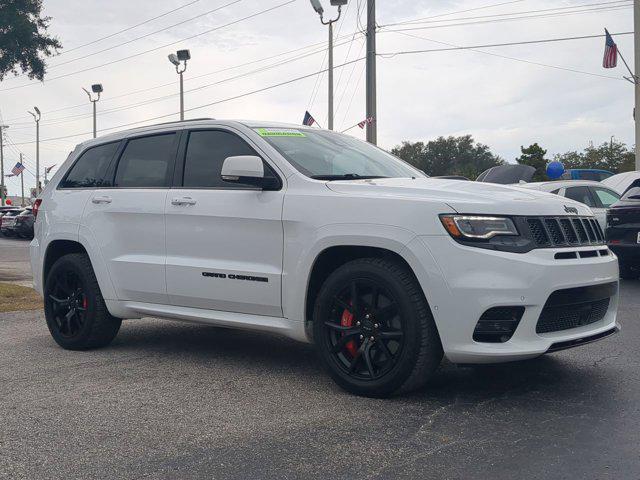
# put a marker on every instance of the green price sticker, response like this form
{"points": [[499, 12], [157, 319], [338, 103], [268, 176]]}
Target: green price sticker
{"points": [[279, 132]]}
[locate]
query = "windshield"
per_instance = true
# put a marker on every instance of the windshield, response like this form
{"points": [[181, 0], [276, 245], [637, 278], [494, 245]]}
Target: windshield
{"points": [[331, 156]]}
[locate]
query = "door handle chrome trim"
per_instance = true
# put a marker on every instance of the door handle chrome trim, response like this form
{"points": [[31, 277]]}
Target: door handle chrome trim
{"points": [[98, 200], [183, 201]]}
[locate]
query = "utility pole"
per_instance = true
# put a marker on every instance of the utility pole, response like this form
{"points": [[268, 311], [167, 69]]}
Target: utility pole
{"points": [[372, 107], [636, 36], [179, 60], [2, 192], [22, 182], [36, 117]]}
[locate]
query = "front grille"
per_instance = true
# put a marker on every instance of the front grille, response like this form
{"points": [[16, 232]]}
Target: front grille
{"points": [[564, 231], [575, 307]]}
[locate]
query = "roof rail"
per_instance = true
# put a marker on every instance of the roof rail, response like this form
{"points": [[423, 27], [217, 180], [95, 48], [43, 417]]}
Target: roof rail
{"points": [[177, 121]]}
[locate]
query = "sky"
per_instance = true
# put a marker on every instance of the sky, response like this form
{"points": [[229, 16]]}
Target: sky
{"points": [[503, 102]]}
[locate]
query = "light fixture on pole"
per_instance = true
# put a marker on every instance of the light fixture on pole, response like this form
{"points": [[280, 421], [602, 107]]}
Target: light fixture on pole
{"points": [[36, 116], [317, 6], [97, 89], [179, 60]]}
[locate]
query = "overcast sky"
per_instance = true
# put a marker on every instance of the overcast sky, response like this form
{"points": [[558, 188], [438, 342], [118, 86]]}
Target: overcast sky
{"points": [[502, 102]]}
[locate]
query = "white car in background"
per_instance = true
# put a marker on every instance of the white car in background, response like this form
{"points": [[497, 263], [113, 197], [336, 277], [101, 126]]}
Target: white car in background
{"points": [[594, 194], [623, 181]]}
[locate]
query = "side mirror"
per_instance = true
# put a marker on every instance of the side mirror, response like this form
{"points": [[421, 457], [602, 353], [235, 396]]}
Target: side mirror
{"points": [[248, 170]]}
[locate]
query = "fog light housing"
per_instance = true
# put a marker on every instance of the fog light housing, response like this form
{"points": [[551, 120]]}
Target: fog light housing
{"points": [[498, 324]]}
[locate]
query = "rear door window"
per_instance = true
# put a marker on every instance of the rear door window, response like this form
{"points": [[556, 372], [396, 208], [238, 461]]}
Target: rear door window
{"points": [[580, 194], [91, 168], [147, 162]]}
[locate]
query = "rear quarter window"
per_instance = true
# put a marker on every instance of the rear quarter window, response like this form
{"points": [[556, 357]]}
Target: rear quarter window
{"points": [[91, 168]]}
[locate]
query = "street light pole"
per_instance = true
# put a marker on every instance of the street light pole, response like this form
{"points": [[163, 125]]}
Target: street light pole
{"points": [[179, 60], [317, 6], [2, 192], [96, 88], [636, 35], [36, 116], [372, 106]]}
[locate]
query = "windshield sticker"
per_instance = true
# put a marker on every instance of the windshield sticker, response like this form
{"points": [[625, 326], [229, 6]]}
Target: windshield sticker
{"points": [[279, 132]]}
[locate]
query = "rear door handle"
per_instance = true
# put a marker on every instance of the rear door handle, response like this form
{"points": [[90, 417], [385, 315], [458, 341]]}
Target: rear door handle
{"points": [[98, 200], [183, 201]]}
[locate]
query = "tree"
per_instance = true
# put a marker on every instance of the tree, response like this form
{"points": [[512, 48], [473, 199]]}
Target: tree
{"points": [[613, 156], [533, 156], [449, 156], [24, 43]]}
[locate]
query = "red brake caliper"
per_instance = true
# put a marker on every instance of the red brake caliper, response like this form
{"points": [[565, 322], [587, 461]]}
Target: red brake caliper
{"points": [[347, 321], [84, 303]]}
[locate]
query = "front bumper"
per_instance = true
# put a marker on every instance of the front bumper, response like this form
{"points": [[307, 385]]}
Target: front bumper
{"points": [[462, 282]]}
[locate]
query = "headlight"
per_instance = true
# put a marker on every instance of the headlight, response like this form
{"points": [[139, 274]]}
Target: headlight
{"points": [[477, 226]]}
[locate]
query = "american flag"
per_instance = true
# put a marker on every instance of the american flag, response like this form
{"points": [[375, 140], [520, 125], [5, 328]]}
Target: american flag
{"points": [[366, 121], [610, 52], [18, 169], [308, 119]]}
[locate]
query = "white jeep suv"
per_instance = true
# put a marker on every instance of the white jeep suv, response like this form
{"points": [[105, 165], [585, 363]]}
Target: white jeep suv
{"points": [[322, 238]]}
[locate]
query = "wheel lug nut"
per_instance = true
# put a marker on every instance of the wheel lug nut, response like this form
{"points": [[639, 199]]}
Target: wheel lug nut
{"points": [[367, 316], [372, 339], [358, 324], [376, 326], [361, 337]]}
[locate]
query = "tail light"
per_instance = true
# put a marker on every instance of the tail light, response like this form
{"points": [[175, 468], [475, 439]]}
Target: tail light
{"points": [[36, 207]]}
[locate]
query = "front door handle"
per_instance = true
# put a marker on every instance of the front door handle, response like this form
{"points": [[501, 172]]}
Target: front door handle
{"points": [[183, 201], [98, 200]]}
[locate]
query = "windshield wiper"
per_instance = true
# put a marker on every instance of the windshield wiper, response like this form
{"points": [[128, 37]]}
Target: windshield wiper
{"points": [[346, 176]]}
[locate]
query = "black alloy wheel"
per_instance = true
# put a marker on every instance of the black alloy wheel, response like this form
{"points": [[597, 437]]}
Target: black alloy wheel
{"points": [[373, 328], [365, 332], [75, 311]]}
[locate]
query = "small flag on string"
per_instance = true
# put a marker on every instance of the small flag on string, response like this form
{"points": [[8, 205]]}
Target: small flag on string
{"points": [[308, 119], [610, 52], [18, 169], [365, 122]]}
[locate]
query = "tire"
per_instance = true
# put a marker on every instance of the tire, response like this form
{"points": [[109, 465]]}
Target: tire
{"points": [[384, 343], [627, 273], [71, 285]]}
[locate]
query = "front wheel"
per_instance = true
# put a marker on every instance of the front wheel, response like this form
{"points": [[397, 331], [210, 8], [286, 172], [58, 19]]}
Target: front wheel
{"points": [[373, 329], [75, 311]]}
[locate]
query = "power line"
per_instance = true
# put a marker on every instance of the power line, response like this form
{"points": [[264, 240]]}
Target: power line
{"points": [[201, 87], [529, 42], [217, 102], [512, 58], [510, 19], [155, 48], [128, 28], [127, 42], [154, 87], [429, 19]]}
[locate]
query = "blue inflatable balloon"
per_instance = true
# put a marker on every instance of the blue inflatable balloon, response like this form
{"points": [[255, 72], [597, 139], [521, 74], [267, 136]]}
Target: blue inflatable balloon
{"points": [[555, 170]]}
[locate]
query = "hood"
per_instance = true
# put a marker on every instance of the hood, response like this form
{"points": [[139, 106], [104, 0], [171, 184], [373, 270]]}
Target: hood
{"points": [[463, 197]]}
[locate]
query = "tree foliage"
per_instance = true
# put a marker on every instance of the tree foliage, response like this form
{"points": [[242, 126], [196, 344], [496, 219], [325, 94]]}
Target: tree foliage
{"points": [[534, 156], [613, 156], [449, 156], [24, 42]]}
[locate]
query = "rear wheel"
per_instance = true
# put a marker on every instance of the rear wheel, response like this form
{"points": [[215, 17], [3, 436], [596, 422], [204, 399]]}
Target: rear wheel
{"points": [[373, 329], [75, 311]]}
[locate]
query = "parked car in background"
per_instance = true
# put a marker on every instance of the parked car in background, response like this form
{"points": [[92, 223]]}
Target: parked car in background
{"points": [[623, 181], [594, 194], [586, 174], [6, 217], [18, 222], [623, 232]]}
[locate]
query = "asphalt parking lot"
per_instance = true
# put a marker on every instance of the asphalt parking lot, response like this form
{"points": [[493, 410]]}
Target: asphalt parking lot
{"points": [[170, 400]]}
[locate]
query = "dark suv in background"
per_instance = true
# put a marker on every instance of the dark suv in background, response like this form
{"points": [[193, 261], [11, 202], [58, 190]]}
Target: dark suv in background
{"points": [[623, 232]]}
